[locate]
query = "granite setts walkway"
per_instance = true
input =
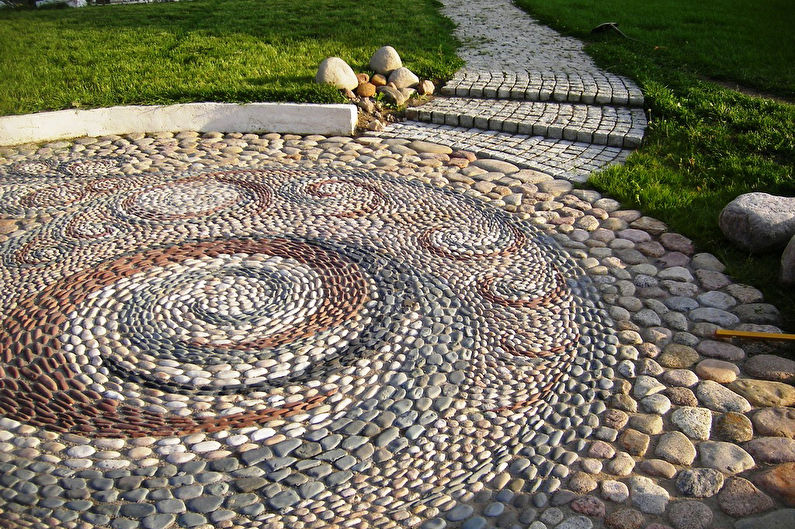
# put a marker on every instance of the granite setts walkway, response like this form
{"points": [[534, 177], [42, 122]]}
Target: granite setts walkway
{"points": [[529, 96], [280, 331]]}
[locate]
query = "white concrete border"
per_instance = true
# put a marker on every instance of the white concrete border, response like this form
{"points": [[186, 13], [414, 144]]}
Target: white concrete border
{"points": [[288, 118]]}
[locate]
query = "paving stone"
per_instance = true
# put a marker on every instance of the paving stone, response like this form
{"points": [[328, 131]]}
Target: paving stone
{"points": [[460, 512], [699, 482], [424, 146], [677, 242], [682, 397], [621, 465], [718, 398], [137, 510], [434, 523], [205, 503], [646, 385], [761, 313], [676, 273], [191, 519], [720, 350], [719, 317], [656, 405], [711, 279], [717, 299], [284, 499], [634, 442], [765, 392], [771, 367], [170, 506], [581, 483], [158, 521], [647, 423], [496, 166], [680, 377], [726, 457], [494, 509], [647, 495], [657, 468], [119, 523], [779, 481], [775, 422], [740, 498], [696, 423], [717, 370], [625, 519], [577, 522], [651, 225], [678, 356], [771, 449], [552, 516], [689, 514], [615, 491], [591, 466], [476, 522], [734, 427], [676, 448], [616, 419]]}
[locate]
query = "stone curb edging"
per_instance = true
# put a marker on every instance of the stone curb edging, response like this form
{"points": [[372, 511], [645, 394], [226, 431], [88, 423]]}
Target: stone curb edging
{"points": [[292, 118]]}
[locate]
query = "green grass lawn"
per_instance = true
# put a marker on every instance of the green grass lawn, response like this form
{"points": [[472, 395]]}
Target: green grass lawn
{"points": [[705, 144], [750, 42], [206, 50]]}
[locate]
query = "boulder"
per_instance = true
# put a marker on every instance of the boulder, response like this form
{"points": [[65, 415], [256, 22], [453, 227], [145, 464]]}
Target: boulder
{"points": [[787, 275], [335, 71], [378, 80], [385, 60], [365, 90], [426, 88], [404, 78], [408, 93], [758, 221], [392, 95]]}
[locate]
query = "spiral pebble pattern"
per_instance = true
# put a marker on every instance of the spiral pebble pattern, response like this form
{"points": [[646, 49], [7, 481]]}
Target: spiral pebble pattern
{"points": [[323, 319]]}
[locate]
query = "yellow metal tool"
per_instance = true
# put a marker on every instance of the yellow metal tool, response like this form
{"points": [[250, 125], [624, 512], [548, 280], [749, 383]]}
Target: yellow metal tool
{"points": [[751, 335]]}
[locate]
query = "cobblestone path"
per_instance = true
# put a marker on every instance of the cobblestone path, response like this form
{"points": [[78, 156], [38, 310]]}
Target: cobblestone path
{"points": [[281, 331], [529, 96]]}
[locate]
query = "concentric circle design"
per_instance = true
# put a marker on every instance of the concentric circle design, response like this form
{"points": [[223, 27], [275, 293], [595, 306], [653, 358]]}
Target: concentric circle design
{"points": [[530, 292], [55, 195], [91, 167], [346, 197], [302, 325], [76, 168], [33, 168], [195, 198]]}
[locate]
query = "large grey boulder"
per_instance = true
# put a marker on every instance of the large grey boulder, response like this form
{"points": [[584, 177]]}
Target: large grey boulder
{"points": [[758, 221], [335, 71], [385, 60], [788, 263], [404, 78]]}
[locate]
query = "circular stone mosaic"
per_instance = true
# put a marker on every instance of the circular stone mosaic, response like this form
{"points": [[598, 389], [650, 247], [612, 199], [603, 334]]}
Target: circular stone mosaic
{"points": [[257, 342]]}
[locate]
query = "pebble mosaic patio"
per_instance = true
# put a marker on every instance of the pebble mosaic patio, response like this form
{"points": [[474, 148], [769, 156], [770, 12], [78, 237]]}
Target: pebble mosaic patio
{"points": [[281, 331]]}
